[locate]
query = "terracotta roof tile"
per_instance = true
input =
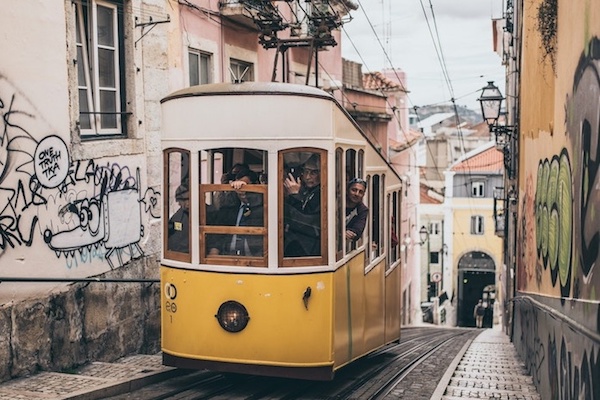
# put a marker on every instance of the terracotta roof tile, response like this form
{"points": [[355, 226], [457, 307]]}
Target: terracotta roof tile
{"points": [[490, 160], [377, 81]]}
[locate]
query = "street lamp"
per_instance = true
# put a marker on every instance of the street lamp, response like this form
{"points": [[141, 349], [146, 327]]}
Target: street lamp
{"points": [[424, 236], [491, 104]]}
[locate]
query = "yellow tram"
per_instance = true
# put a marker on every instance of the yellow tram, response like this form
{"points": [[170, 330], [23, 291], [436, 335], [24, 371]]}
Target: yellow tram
{"points": [[276, 296]]}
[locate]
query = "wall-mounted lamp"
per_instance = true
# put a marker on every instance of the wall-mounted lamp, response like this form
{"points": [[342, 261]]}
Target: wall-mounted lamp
{"points": [[423, 234], [491, 104]]}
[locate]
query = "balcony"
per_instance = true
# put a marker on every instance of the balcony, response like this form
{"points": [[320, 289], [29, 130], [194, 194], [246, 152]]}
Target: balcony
{"points": [[249, 13]]}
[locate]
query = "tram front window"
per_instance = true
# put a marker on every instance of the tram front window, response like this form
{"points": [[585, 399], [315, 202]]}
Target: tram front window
{"points": [[177, 204], [233, 214], [302, 191]]}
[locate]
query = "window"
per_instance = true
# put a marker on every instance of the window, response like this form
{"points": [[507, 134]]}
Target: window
{"points": [[477, 189], [302, 223], [233, 223], [394, 251], [340, 220], [241, 71], [477, 225], [434, 228], [100, 67], [177, 205], [376, 217], [434, 257], [200, 66]]}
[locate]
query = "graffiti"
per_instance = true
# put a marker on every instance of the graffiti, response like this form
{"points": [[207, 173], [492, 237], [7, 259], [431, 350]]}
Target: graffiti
{"points": [[530, 339], [583, 128], [151, 201], [111, 218], [559, 361], [85, 255], [51, 161], [83, 210], [554, 219]]}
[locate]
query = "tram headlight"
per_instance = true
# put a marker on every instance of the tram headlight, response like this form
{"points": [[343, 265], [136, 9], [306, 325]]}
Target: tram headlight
{"points": [[232, 316]]}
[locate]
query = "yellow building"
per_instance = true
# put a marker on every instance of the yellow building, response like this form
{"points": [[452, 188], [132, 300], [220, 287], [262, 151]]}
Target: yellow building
{"points": [[472, 236]]}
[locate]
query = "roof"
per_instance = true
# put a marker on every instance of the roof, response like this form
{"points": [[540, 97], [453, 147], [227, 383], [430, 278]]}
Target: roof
{"points": [[429, 196], [485, 158], [378, 81], [435, 119], [407, 139]]}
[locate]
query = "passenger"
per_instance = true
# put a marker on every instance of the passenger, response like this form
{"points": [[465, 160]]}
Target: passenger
{"points": [[179, 223], [478, 313], [302, 211], [246, 211], [356, 210], [229, 199]]}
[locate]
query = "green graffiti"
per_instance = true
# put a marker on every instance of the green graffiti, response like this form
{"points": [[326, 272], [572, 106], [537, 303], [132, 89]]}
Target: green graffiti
{"points": [[565, 201], [554, 217]]}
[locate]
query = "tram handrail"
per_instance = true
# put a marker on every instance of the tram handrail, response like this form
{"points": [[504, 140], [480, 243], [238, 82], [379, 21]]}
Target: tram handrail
{"points": [[553, 313]]}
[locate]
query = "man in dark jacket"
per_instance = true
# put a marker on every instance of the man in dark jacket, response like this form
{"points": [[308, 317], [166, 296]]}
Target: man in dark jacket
{"points": [[302, 211], [247, 210], [179, 223], [356, 210]]}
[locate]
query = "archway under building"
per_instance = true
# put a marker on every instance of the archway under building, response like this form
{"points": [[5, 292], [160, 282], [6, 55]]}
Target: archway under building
{"points": [[476, 280]]}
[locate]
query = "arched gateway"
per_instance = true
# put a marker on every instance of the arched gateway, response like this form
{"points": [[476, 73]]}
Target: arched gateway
{"points": [[476, 272]]}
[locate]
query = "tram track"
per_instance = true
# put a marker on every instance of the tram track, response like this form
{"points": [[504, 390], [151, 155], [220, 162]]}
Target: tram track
{"points": [[373, 377]]}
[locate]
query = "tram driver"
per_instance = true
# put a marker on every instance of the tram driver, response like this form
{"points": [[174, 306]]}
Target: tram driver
{"points": [[302, 210], [179, 223]]}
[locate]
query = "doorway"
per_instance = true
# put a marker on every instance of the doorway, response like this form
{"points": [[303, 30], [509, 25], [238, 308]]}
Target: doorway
{"points": [[476, 274]]}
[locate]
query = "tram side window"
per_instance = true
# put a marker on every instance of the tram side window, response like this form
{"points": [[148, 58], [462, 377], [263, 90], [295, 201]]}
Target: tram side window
{"points": [[233, 215], [177, 201], [376, 218], [303, 198], [339, 208], [394, 248]]}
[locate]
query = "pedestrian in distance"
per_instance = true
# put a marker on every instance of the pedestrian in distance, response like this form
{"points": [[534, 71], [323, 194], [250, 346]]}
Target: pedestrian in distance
{"points": [[478, 313]]}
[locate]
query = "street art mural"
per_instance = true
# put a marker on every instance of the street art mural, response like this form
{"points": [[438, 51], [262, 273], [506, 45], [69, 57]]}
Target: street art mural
{"points": [[557, 317], [80, 210]]}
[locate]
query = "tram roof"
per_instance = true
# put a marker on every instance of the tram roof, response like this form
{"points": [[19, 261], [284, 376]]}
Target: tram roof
{"points": [[251, 88]]}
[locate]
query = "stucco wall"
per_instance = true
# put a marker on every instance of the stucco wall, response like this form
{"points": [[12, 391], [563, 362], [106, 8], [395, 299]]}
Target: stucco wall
{"points": [[71, 208], [558, 224]]}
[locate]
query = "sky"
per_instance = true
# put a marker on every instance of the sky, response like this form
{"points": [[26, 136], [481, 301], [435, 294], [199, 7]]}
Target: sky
{"points": [[402, 35]]}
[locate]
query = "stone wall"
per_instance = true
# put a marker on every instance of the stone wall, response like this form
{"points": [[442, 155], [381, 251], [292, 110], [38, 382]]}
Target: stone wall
{"points": [[87, 322]]}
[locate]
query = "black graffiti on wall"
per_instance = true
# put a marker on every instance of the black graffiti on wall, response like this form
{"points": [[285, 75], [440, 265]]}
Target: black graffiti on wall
{"points": [[83, 210], [583, 124], [559, 360]]}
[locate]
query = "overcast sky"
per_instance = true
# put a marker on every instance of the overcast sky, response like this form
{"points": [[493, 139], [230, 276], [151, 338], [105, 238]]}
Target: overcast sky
{"points": [[465, 36]]}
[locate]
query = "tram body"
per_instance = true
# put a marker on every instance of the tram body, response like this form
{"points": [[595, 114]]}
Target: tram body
{"points": [[272, 311]]}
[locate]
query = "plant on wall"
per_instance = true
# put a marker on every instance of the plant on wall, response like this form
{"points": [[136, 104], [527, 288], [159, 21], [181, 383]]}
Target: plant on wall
{"points": [[547, 19]]}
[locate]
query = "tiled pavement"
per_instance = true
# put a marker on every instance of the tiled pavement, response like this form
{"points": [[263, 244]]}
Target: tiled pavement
{"points": [[489, 369], [97, 380]]}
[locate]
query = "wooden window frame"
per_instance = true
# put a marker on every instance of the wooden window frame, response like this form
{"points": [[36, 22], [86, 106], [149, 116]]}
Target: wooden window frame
{"points": [[309, 260], [170, 254], [204, 229]]}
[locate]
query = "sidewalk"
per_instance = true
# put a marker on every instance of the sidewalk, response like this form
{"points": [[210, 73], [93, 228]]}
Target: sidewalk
{"points": [[487, 368], [97, 380]]}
